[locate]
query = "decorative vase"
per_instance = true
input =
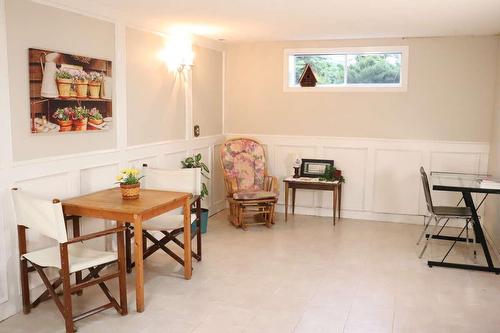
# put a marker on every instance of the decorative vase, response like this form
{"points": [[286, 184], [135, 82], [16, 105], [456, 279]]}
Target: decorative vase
{"points": [[130, 192], [64, 87], [82, 88], [80, 124], [65, 125], [94, 89]]}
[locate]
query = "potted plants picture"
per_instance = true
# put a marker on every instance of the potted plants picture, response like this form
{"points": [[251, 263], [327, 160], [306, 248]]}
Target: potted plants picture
{"points": [[95, 117], [80, 118], [65, 93], [80, 79], [129, 183], [64, 118], [95, 80], [64, 81], [196, 162]]}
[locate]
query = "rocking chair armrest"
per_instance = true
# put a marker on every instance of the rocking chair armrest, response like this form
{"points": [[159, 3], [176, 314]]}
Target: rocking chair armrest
{"points": [[231, 185], [271, 184], [94, 235]]}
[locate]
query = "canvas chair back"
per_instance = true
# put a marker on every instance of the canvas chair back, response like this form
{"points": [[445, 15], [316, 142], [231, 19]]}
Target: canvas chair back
{"points": [[245, 160], [41, 215], [178, 180], [427, 190]]}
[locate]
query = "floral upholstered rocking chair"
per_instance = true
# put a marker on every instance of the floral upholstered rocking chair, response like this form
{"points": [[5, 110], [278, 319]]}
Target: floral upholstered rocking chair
{"points": [[250, 190]]}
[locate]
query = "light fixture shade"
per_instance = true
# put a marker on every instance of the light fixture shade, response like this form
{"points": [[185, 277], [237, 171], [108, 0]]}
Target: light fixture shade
{"points": [[178, 52]]}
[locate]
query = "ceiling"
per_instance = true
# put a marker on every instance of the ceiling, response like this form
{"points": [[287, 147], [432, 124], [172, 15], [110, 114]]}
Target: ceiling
{"points": [[265, 20]]}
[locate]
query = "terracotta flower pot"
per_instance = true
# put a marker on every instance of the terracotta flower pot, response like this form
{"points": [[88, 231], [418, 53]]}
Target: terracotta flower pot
{"points": [[82, 88], [94, 89], [65, 125], [95, 121], [64, 87], [130, 192], [80, 125]]}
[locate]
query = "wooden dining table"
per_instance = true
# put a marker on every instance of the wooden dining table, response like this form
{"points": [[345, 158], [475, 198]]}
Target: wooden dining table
{"points": [[109, 205]]}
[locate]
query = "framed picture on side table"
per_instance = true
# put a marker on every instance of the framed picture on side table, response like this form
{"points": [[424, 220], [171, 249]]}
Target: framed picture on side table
{"points": [[314, 168]]}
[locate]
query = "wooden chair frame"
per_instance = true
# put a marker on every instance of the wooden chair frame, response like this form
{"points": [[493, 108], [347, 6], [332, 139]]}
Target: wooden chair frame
{"points": [[262, 209], [168, 236], [91, 279]]}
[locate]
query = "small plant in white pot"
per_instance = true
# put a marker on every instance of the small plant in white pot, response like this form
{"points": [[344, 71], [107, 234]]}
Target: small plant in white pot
{"points": [[196, 162]]}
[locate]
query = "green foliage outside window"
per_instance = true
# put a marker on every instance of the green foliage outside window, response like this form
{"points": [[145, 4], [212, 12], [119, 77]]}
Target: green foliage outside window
{"points": [[381, 68], [329, 69]]}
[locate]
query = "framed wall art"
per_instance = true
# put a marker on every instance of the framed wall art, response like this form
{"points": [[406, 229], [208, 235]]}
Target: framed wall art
{"points": [[314, 168], [69, 93]]}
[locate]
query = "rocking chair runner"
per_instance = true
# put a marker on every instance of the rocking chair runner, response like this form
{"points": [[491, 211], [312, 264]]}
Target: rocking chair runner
{"points": [[170, 225], [70, 256], [250, 190]]}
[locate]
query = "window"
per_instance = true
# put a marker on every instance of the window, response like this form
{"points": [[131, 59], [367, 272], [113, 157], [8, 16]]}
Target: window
{"points": [[362, 69]]}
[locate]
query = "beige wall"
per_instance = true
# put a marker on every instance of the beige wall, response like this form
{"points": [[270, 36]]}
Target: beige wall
{"points": [[34, 25], [207, 90], [450, 93], [156, 103], [493, 202]]}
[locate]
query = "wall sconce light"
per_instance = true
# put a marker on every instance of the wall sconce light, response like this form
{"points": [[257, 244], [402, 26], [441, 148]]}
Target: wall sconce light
{"points": [[178, 52]]}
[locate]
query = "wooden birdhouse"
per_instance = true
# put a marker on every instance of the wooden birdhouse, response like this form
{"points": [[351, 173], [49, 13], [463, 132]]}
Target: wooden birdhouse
{"points": [[308, 79]]}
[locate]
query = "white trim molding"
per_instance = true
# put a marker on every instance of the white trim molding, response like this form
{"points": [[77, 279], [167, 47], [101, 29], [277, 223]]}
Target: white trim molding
{"points": [[345, 87], [382, 175]]}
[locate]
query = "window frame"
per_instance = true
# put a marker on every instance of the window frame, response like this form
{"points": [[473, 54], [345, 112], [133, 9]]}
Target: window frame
{"points": [[380, 87]]}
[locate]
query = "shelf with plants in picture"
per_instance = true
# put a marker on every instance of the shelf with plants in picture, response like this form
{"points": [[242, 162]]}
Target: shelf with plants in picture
{"points": [[69, 93]]}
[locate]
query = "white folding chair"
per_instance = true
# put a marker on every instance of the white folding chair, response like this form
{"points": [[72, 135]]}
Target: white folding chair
{"points": [[69, 256], [171, 224]]}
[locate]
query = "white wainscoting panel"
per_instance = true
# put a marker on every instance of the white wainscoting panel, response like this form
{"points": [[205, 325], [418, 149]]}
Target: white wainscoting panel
{"points": [[382, 175], [217, 175], [352, 162], [396, 181]]}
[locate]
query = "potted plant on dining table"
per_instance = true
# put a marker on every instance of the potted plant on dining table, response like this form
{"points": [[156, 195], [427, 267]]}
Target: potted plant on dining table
{"points": [[129, 183]]}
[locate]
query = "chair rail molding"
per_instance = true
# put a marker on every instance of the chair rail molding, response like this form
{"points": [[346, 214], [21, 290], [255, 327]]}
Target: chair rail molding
{"points": [[382, 175]]}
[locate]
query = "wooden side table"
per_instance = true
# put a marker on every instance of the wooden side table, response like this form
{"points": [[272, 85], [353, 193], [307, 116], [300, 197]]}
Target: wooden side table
{"points": [[312, 184]]}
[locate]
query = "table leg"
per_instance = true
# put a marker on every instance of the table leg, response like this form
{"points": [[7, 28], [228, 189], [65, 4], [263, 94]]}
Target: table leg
{"points": [[139, 265], [334, 194], [293, 200], [187, 240], [286, 202], [480, 238], [340, 198], [76, 233]]}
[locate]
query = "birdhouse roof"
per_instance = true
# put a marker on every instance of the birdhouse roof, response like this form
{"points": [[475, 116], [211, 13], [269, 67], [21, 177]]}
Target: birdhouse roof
{"points": [[310, 68]]}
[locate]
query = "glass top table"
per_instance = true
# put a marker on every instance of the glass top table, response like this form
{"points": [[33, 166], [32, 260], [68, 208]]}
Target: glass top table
{"points": [[459, 182], [466, 184]]}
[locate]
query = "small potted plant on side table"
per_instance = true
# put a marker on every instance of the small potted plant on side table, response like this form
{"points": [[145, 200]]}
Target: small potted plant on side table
{"points": [[64, 118], [196, 162], [129, 183]]}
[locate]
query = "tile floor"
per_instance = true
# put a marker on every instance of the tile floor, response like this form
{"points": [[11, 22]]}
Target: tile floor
{"points": [[303, 276]]}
